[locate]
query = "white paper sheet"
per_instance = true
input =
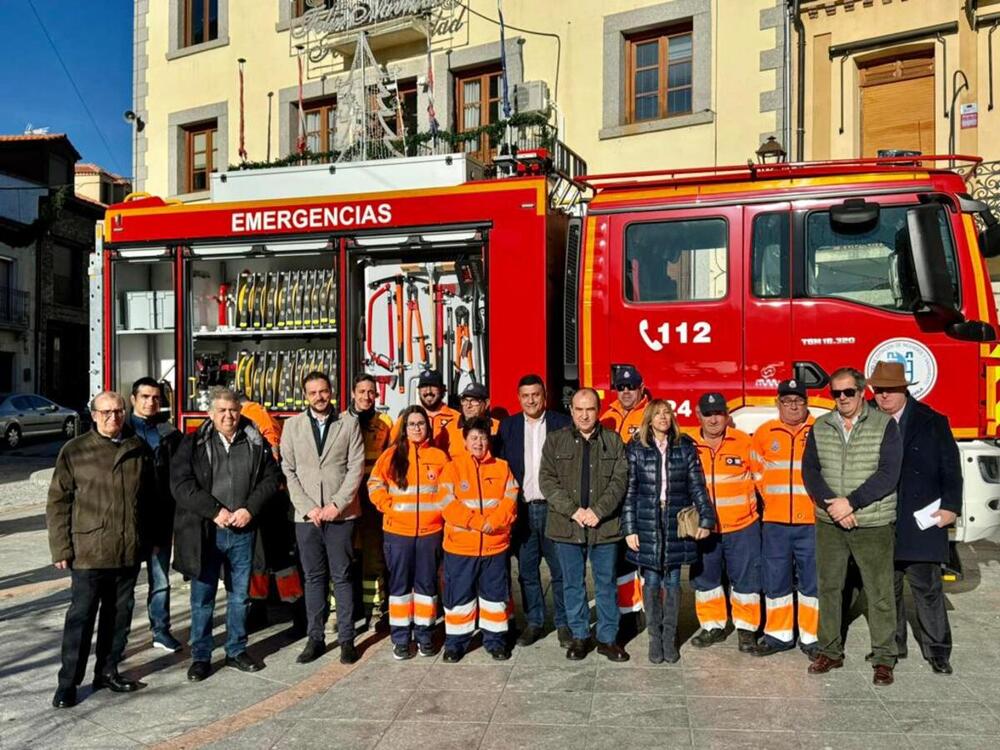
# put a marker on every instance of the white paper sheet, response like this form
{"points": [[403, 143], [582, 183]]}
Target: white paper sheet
{"points": [[923, 516]]}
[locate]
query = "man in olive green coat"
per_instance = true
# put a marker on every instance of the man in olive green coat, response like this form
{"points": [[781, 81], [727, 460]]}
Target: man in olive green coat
{"points": [[583, 476], [99, 517], [851, 468]]}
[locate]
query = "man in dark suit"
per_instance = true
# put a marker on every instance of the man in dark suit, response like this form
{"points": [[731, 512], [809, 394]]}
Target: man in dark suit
{"points": [[521, 437], [931, 471]]}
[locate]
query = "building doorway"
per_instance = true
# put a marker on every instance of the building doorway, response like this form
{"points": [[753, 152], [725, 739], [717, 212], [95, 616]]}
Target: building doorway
{"points": [[897, 103]]}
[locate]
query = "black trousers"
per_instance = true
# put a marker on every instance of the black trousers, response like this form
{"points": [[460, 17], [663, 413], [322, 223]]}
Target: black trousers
{"points": [[327, 554], [932, 631], [107, 596]]}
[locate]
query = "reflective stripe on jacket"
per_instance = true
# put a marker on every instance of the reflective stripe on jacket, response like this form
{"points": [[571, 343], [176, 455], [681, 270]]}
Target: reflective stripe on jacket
{"points": [[779, 448], [625, 421], [416, 510], [730, 475], [474, 492]]}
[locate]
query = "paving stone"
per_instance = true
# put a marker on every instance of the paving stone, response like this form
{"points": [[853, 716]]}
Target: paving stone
{"points": [[473, 677], [958, 742], [638, 710], [534, 737], [552, 679], [944, 717], [542, 708], [323, 734], [838, 684], [655, 680], [432, 735], [446, 705], [770, 714], [634, 738]]}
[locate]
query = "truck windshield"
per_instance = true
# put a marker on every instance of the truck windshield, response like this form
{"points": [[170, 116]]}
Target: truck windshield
{"points": [[867, 265]]}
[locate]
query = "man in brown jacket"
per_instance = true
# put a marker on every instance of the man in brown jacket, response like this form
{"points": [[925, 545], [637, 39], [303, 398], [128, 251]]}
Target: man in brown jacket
{"points": [[323, 458], [98, 515]]}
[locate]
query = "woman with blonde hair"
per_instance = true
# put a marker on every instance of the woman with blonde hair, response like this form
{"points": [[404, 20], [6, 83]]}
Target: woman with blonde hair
{"points": [[665, 476]]}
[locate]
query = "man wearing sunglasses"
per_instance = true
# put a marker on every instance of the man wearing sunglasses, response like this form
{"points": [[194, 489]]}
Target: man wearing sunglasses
{"points": [[851, 468], [932, 471]]}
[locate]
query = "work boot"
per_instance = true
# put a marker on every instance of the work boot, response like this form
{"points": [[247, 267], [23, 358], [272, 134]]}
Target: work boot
{"points": [[671, 611], [653, 605], [706, 638], [747, 641]]}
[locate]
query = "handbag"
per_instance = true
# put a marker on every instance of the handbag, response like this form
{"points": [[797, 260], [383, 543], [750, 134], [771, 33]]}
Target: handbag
{"points": [[687, 522]]}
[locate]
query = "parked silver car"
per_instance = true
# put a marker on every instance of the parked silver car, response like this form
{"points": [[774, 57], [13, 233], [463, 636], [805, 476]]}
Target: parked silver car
{"points": [[27, 415]]}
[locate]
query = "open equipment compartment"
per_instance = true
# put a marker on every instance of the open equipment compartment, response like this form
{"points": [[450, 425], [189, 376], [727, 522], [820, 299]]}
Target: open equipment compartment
{"points": [[418, 301], [261, 316]]}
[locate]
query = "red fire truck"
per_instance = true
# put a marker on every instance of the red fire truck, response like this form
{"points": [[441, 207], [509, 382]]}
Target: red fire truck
{"points": [[725, 278]]}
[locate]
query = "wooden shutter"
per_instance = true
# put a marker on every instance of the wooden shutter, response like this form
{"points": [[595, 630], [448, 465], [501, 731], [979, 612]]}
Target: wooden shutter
{"points": [[897, 106]]}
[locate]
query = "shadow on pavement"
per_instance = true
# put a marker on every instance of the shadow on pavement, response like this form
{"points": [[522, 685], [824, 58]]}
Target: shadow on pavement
{"points": [[22, 525]]}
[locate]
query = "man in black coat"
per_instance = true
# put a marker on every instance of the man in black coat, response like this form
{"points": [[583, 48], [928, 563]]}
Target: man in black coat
{"points": [[521, 437], [222, 477], [931, 471]]}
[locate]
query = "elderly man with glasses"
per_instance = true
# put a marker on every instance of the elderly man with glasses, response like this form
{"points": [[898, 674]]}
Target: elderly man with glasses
{"points": [[851, 468], [99, 517]]}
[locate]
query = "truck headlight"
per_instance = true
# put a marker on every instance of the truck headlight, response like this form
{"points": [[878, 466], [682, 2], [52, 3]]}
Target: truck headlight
{"points": [[989, 469]]}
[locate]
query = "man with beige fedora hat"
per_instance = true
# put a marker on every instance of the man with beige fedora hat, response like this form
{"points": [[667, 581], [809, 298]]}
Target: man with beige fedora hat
{"points": [[931, 473]]}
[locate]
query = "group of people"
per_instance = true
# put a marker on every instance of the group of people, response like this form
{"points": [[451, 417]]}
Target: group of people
{"points": [[440, 500]]}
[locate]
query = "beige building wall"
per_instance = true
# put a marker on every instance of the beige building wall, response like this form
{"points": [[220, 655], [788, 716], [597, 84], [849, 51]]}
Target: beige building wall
{"points": [[738, 73], [835, 23]]}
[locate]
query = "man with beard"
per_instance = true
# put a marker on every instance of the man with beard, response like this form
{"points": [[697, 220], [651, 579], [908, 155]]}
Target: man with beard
{"points": [[430, 388]]}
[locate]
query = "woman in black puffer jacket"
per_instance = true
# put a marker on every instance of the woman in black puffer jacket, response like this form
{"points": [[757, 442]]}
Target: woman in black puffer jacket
{"points": [[649, 519]]}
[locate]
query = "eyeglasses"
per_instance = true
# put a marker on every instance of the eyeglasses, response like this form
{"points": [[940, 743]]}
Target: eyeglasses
{"points": [[845, 392], [625, 387], [108, 413], [416, 425], [792, 401]]}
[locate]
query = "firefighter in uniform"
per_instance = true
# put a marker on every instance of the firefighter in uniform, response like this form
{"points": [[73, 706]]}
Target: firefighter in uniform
{"points": [[479, 495], [375, 428], [788, 532], [404, 487], [730, 469], [430, 389], [624, 416], [475, 402]]}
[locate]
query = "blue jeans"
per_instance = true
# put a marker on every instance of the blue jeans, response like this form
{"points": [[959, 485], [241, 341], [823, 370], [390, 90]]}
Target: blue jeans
{"points": [[668, 579], [158, 598], [531, 547], [573, 559], [232, 554]]}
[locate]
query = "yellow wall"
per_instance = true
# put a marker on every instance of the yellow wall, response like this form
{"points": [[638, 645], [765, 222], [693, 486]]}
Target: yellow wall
{"points": [[736, 81]]}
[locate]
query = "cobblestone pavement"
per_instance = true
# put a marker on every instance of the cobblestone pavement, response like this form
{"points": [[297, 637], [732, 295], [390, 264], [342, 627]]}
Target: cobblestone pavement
{"points": [[712, 698]]}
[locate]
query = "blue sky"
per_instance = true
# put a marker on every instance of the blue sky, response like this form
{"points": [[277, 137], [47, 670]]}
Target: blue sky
{"points": [[94, 38]]}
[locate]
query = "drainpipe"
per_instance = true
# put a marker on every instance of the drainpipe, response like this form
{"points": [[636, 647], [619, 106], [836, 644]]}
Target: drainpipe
{"points": [[800, 93]]}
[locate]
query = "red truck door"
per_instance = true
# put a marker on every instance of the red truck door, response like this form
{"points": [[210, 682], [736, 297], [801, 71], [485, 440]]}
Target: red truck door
{"points": [[767, 311], [674, 302], [851, 306]]}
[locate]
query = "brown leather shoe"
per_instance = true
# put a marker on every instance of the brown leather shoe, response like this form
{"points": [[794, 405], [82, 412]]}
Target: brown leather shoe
{"points": [[824, 664], [612, 652], [883, 675]]}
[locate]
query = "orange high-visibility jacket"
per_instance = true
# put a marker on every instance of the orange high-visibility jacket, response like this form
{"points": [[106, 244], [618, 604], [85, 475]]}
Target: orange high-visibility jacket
{"points": [[269, 427], [779, 449], [453, 442], [625, 421], [475, 492], [416, 510], [376, 437], [439, 421], [730, 474]]}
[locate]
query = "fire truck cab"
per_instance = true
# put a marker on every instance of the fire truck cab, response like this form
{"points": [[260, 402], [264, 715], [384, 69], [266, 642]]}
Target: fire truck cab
{"points": [[725, 278]]}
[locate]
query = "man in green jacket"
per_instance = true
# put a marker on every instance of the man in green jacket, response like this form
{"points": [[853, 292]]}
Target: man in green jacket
{"points": [[851, 468], [99, 514], [583, 476]]}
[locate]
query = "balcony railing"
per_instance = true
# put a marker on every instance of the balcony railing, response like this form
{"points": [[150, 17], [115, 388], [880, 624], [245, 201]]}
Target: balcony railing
{"points": [[15, 307]]}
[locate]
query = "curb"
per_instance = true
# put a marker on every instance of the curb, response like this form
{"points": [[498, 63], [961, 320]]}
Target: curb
{"points": [[42, 478]]}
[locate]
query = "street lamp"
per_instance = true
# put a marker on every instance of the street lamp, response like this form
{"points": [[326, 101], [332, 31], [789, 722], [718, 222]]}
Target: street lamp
{"points": [[138, 125], [770, 151]]}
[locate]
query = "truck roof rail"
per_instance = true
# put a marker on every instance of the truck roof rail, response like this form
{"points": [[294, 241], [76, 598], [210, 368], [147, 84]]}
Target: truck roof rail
{"points": [[781, 170]]}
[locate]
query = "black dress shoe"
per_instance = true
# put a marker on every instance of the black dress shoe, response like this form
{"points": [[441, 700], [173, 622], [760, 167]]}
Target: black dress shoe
{"points": [[452, 656], [348, 653], [244, 662], [565, 636], [313, 650], [769, 649], [529, 635], [940, 665], [577, 650], [500, 653], [612, 652], [199, 670], [64, 698], [115, 683]]}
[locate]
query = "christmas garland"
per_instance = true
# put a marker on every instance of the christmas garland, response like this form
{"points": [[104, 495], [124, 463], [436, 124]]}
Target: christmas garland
{"points": [[409, 144]]}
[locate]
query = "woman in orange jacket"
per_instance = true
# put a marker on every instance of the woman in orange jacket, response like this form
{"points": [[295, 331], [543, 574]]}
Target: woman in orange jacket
{"points": [[404, 486], [480, 504]]}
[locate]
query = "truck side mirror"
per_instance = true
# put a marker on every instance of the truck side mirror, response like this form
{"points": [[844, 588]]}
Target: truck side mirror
{"points": [[989, 238], [972, 330], [928, 263]]}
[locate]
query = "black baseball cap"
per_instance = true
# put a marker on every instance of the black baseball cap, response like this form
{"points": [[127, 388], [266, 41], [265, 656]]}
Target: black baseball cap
{"points": [[627, 375], [792, 388], [430, 377], [475, 390], [712, 402]]}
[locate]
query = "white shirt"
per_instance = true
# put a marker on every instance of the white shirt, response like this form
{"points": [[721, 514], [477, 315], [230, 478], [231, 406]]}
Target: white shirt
{"points": [[227, 443], [842, 423], [534, 439], [322, 420], [664, 447], [898, 416]]}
